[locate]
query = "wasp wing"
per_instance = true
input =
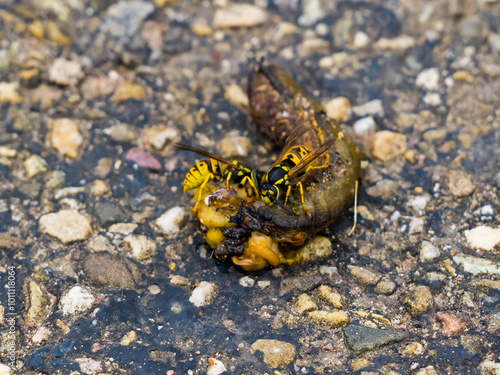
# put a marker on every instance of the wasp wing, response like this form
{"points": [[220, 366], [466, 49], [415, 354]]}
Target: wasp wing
{"points": [[294, 135], [183, 147], [311, 157]]}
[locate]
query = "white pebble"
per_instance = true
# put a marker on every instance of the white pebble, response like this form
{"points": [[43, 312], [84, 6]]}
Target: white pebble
{"points": [[416, 225], [428, 252], [483, 237], [77, 300], [364, 125], [171, 221], [418, 203], [428, 79], [247, 282], [204, 294], [216, 367]]}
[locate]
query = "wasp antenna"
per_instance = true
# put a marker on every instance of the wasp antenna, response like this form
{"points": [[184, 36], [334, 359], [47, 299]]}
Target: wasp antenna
{"points": [[279, 203]]}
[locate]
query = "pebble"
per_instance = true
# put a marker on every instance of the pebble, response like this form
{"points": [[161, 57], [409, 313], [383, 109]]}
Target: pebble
{"points": [[333, 319], [296, 285], [179, 280], [383, 188], [170, 222], [109, 212], [246, 282], [413, 349], [204, 294], [37, 303], [319, 247], [65, 137], [123, 228], [89, 366], [494, 323], [9, 93], [418, 203], [69, 191], [373, 107], [400, 43], [361, 40], [65, 72], [42, 334], [304, 303], [450, 323], [143, 159], [4, 369], [357, 364], [234, 145], [387, 145], [476, 265], [67, 226], [99, 188], [239, 15], [364, 276], [433, 99], [494, 41], [365, 125], [418, 301], [201, 27], [459, 183], [338, 109], [276, 353], [128, 90], [35, 165], [103, 167], [215, 367], [416, 225], [129, 338], [235, 95], [483, 238], [331, 296], [361, 339], [124, 18], [385, 286], [122, 133], [106, 270], [159, 136], [435, 135], [428, 252], [263, 284], [312, 12], [429, 370], [77, 300], [428, 79], [142, 247], [489, 367], [99, 243]]}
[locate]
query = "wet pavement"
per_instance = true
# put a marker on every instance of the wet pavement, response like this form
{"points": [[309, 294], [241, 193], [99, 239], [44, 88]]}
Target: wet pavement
{"points": [[105, 270]]}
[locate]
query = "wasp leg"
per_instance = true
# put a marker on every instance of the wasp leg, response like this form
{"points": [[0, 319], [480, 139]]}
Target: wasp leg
{"points": [[248, 180], [287, 194], [228, 178], [205, 182], [302, 198]]}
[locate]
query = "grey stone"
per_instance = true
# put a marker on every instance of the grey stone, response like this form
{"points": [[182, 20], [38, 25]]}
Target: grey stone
{"points": [[361, 339], [109, 213], [124, 18], [298, 285], [106, 270]]}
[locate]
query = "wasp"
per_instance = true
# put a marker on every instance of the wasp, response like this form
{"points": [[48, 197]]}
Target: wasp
{"points": [[217, 169], [290, 168]]}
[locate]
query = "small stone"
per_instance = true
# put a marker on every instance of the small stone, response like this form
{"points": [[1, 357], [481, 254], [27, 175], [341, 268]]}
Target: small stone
{"points": [[385, 286], [123, 133], [361, 40], [387, 145], [338, 109], [9, 93], [142, 247], [236, 96], [428, 79], [476, 265], [37, 303], [124, 18], [99, 243], [364, 126], [400, 43], [159, 136], [234, 145], [4, 369], [123, 228], [312, 13], [67, 226], [365, 213], [55, 34], [364, 276], [433, 99], [106, 270], [204, 294], [42, 334], [201, 27], [428, 252], [77, 300], [319, 247], [128, 90], [357, 364], [450, 323], [69, 191], [109, 213], [331, 296], [371, 108], [418, 301], [383, 188], [413, 349], [65, 137], [435, 135], [429, 370], [216, 367], [489, 367], [295, 285], [99, 188], [459, 183], [494, 323], [179, 280], [333, 319], [129, 338], [239, 15], [362, 339], [304, 303], [416, 225], [246, 282], [65, 72], [170, 222], [103, 167], [276, 353], [263, 284], [418, 203], [143, 159], [494, 41], [89, 366], [483, 238], [35, 165]]}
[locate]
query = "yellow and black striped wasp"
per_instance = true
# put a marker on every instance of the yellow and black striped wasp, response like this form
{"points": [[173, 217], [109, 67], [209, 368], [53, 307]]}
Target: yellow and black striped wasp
{"points": [[216, 169], [289, 169]]}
